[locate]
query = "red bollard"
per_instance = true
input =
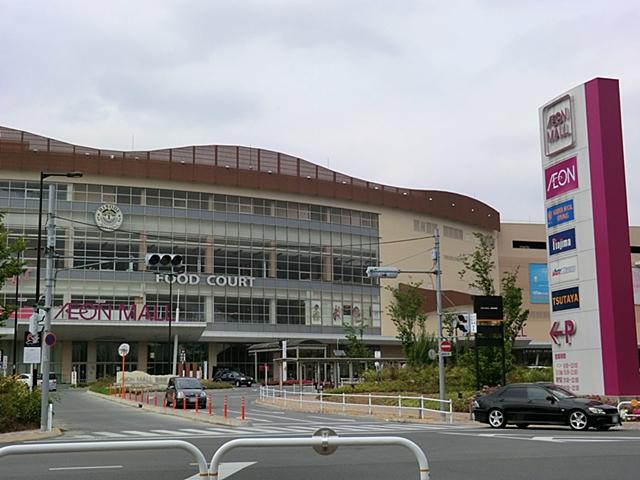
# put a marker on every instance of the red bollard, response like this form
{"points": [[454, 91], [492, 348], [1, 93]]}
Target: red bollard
{"points": [[226, 406], [184, 403], [210, 400], [148, 394], [155, 399], [129, 394], [242, 409], [175, 401]]}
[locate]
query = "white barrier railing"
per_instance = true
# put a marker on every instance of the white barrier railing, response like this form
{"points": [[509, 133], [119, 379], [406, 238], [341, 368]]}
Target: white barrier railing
{"points": [[370, 402], [624, 412], [324, 441]]}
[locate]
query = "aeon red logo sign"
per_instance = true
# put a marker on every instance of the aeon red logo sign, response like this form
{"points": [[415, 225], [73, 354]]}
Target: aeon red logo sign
{"points": [[561, 177]]}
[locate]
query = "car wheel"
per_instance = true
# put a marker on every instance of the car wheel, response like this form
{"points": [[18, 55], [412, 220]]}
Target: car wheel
{"points": [[522, 425], [497, 418], [237, 383], [578, 420], [603, 428]]}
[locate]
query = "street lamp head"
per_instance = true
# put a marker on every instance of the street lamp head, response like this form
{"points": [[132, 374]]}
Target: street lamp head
{"points": [[73, 174]]}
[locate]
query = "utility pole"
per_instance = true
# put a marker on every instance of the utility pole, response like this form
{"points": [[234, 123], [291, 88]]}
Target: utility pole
{"points": [[48, 305], [438, 273]]}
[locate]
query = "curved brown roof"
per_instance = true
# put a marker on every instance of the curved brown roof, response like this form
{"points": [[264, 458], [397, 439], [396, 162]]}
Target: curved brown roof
{"points": [[235, 166]]}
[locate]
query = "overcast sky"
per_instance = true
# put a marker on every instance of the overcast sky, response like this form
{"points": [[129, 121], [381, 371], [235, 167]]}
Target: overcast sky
{"points": [[421, 94]]}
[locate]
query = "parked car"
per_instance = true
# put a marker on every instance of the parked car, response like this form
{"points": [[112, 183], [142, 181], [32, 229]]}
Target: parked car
{"points": [[53, 381], [189, 388], [237, 378], [523, 404], [25, 378]]}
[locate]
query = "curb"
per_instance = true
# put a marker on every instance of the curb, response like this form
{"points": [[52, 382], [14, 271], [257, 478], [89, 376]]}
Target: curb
{"points": [[26, 435], [190, 415]]}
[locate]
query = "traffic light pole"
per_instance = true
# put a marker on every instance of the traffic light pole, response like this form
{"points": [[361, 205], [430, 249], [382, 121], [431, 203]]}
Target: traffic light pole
{"points": [[438, 273], [48, 305]]}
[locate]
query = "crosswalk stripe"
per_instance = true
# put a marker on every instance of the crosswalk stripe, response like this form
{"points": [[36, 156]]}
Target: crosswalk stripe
{"points": [[109, 434], [140, 433], [167, 432], [196, 430]]}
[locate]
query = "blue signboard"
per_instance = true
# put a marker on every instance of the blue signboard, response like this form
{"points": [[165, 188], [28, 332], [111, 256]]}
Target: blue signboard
{"points": [[560, 213], [538, 283], [562, 241]]}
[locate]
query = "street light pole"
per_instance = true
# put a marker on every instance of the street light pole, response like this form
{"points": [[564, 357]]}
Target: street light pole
{"points": [[438, 273], [14, 369], [51, 244], [48, 305]]}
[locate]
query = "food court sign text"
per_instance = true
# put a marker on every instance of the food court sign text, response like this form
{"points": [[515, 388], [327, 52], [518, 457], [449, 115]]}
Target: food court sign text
{"points": [[212, 280]]}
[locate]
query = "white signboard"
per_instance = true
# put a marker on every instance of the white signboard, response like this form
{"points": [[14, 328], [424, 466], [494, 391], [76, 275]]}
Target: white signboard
{"points": [[563, 270]]}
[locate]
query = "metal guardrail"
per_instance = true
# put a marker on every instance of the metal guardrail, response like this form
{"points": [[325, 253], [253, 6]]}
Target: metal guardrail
{"points": [[624, 412], [340, 400], [324, 442], [108, 446]]}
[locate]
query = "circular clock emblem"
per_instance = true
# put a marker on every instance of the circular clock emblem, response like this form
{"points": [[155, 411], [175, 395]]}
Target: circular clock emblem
{"points": [[108, 217]]}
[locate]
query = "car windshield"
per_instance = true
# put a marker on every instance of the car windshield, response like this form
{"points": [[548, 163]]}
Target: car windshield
{"points": [[561, 392], [188, 383]]}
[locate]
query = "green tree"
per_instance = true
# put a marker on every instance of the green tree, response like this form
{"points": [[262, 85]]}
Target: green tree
{"points": [[514, 316], [355, 347], [480, 263], [481, 266], [406, 313], [10, 264]]}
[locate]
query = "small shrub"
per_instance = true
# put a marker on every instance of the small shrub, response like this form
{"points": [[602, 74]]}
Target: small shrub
{"points": [[101, 385], [211, 385], [19, 407], [530, 375]]}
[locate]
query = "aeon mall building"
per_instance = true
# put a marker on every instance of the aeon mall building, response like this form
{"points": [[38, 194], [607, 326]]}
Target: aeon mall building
{"points": [[274, 247]]}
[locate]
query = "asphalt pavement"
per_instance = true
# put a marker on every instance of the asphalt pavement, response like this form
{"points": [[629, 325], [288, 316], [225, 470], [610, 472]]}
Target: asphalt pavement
{"points": [[454, 451]]}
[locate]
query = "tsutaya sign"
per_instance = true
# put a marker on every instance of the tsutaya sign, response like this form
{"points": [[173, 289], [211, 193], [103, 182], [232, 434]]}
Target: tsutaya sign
{"points": [[592, 300], [212, 280]]}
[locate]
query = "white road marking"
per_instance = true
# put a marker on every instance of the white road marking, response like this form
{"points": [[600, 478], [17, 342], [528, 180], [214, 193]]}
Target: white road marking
{"points": [[167, 432], [332, 419], [226, 470], [96, 467], [109, 434], [140, 433]]}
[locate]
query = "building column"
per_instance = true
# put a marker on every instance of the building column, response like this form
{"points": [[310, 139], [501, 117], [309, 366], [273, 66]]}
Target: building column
{"points": [[273, 261], [142, 251], [91, 361], [142, 356], [68, 248], [67, 352], [327, 265], [208, 255], [273, 311]]}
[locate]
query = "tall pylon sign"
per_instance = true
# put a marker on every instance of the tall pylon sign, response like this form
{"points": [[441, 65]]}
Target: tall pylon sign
{"points": [[593, 329]]}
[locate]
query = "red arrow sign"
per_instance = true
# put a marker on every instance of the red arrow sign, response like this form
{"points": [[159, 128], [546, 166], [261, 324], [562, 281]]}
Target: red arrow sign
{"points": [[568, 332]]}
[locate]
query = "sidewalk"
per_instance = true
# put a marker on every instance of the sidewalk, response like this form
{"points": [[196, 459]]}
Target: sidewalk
{"points": [[28, 435], [201, 416]]}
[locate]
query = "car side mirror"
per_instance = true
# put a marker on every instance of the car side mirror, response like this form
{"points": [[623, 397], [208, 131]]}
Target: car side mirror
{"points": [[551, 398]]}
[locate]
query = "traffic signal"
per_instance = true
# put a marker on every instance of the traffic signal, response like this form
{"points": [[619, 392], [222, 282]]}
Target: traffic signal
{"points": [[466, 323], [163, 260], [462, 323]]}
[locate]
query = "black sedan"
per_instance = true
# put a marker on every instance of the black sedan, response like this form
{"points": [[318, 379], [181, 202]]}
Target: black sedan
{"points": [[542, 403], [185, 391], [237, 378]]}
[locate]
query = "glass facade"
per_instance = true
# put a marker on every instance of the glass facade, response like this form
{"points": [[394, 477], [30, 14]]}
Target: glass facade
{"points": [[288, 266]]}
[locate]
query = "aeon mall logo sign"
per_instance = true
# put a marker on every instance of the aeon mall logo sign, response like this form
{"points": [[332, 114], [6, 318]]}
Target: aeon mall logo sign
{"points": [[561, 177], [558, 126]]}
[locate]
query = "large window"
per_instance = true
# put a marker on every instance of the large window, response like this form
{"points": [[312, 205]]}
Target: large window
{"points": [[291, 312], [108, 361], [241, 310]]}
